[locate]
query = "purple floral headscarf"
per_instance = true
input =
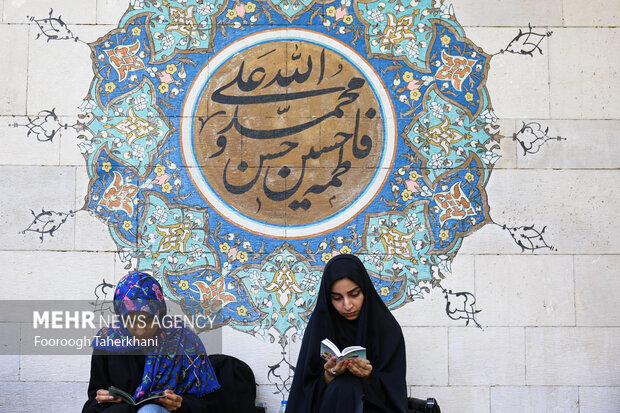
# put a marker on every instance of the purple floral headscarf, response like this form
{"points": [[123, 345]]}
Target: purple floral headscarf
{"points": [[179, 362]]}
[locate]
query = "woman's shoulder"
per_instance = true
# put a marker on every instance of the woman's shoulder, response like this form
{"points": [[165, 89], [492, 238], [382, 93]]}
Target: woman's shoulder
{"points": [[388, 326]]}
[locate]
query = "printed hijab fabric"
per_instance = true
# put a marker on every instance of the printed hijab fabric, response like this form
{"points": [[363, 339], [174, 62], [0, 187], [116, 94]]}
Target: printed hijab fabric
{"points": [[179, 362], [375, 328], [138, 291]]}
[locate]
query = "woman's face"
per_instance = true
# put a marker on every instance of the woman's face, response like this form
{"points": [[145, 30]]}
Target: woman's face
{"points": [[347, 298], [141, 325]]}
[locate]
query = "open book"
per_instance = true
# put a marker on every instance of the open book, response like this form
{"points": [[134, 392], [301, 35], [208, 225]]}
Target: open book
{"points": [[329, 349], [127, 398]]}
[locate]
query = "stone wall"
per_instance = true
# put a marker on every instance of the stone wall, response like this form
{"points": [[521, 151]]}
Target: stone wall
{"points": [[549, 336]]}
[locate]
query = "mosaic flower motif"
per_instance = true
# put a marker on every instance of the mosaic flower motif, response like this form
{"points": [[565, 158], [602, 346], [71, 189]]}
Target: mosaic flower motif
{"points": [[125, 59], [134, 127], [455, 69], [454, 204], [284, 285], [375, 16], [87, 106], [174, 237], [205, 8], [412, 50], [397, 30], [396, 243], [182, 21], [213, 296], [119, 196], [443, 136]]}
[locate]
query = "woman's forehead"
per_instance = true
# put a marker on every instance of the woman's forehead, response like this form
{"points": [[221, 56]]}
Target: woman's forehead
{"points": [[343, 285]]}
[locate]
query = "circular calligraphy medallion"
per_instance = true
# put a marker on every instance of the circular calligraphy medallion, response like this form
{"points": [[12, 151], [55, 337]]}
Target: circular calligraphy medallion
{"points": [[288, 133]]}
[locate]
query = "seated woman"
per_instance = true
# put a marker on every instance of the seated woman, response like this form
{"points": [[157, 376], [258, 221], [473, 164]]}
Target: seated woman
{"points": [[349, 312], [126, 357]]}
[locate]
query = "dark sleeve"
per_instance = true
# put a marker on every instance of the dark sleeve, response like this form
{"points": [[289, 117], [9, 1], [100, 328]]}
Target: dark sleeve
{"points": [[386, 388], [99, 379], [308, 383], [194, 404]]}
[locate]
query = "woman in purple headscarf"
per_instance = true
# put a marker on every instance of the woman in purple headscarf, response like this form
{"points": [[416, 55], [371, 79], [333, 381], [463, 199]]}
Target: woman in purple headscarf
{"points": [[142, 358]]}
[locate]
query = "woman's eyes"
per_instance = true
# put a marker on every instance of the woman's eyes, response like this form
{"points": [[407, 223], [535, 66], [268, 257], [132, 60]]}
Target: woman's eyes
{"points": [[339, 297]]}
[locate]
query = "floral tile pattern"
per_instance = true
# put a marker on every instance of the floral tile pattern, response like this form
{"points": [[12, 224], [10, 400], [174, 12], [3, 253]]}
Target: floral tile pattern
{"points": [[237, 146]]}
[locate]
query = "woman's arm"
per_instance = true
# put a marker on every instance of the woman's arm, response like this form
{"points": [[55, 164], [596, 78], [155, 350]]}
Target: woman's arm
{"points": [[195, 404], [99, 382]]}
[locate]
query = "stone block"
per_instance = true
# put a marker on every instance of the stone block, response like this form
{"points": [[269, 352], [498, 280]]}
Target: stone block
{"points": [[589, 89], [588, 144], [595, 13], [10, 329], [60, 83], [575, 356], [455, 398], [576, 207], [32, 397], [427, 355], [258, 354], [13, 85], [111, 11], [520, 290], [10, 368], [597, 287], [533, 399], [20, 11], [47, 275], [212, 340], [91, 234], [498, 13], [55, 368], [490, 239], [430, 311], [9, 351], [518, 85], [495, 355], [22, 148], [81, 186], [54, 188], [599, 399]]}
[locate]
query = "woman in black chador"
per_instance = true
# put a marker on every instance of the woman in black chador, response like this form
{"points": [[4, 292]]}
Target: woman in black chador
{"points": [[349, 312]]}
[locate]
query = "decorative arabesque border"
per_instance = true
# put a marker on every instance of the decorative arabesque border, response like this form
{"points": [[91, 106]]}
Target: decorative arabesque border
{"points": [[265, 286]]}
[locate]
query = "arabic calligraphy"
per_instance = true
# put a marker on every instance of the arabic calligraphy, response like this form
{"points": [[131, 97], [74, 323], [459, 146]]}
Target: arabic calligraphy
{"points": [[288, 132]]}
